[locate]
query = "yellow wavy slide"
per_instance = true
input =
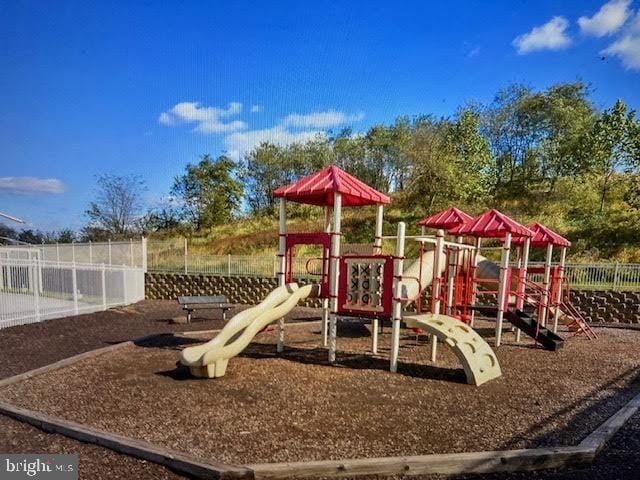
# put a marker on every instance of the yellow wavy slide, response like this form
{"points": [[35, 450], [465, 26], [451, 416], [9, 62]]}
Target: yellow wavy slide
{"points": [[210, 359]]}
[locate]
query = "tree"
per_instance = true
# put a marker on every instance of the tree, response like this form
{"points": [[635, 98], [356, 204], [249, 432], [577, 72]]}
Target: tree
{"points": [[30, 236], [613, 146], [209, 191], [434, 180], [510, 128], [475, 164], [117, 206], [65, 235], [567, 116], [269, 166]]}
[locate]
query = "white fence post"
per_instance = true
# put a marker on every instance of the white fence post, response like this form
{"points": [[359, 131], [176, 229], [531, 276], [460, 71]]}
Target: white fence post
{"points": [[186, 254], [144, 254], [229, 264], [103, 274], [110, 263], [33, 281], [616, 274], [90, 253], [74, 284], [131, 251]]}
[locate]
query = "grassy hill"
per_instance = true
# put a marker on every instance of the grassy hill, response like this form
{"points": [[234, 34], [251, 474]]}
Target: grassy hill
{"points": [[610, 236]]}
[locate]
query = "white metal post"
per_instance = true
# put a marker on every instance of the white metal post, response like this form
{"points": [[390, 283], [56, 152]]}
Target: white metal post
{"points": [[186, 253], [377, 248], [58, 253], [503, 287], [377, 242], [110, 258], [35, 284], [455, 258], [131, 251], [546, 285], [90, 252], [558, 299], [282, 246], [474, 280], [325, 268], [73, 251], [229, 264], [144, 254], [398, 270], [437, 286], [103, 275], [524, 265], [74, 285], [335, 266]]}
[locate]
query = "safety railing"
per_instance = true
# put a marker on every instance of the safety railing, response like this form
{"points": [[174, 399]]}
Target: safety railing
{"points": [[33, 290]]}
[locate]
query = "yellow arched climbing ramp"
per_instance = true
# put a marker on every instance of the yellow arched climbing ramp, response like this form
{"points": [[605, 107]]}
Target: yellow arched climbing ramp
{"points": [[479, 362]]}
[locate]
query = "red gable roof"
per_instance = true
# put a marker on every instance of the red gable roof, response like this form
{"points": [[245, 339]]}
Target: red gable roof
{"points": [[318, 189], [492, 224], [543, 236], [449, 218]]}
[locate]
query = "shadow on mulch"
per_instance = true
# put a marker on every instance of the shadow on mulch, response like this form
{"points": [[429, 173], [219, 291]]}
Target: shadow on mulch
{"points": [[167, 341], [604, 407], [318, 356]]}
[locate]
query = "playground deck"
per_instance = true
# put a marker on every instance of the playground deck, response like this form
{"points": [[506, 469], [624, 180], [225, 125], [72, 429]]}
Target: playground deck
{"points": [[297, 408]]}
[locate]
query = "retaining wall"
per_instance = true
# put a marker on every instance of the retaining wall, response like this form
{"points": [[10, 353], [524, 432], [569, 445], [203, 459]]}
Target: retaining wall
{"points": [[245, 290], [595, 306]]}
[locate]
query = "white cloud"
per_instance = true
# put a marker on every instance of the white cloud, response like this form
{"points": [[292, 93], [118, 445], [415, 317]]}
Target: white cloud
{"points": [[550, 36], [207, 119], [327, 119], [29, 185], [256, 108], [627, 49], [240, 143], [607, 20], [474, 52]]}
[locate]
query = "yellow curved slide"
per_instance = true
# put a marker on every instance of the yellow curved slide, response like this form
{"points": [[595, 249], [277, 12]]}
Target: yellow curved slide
{"points": [[478, 360], [210, 360]]}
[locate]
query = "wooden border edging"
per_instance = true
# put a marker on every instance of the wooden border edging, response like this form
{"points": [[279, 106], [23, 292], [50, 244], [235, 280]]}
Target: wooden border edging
{"points": [[65, 362], [447, 464], [129, 446], [601, 435]]}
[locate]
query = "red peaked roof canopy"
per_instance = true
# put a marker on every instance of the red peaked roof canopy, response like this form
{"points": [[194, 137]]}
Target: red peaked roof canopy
{"points": [[318, 189], [449, 218], [543, 236], [492, 224]]}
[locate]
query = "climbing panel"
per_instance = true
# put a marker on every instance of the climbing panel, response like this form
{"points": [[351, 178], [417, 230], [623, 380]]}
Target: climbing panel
{"points": [[478, 360]]}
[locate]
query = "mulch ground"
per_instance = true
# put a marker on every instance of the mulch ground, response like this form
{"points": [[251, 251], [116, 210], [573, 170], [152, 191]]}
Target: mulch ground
{"points": [[26, 347], [296, 407]]}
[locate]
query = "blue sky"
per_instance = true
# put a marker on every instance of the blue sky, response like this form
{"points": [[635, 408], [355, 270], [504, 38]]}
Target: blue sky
{"points": [[145, 87]]}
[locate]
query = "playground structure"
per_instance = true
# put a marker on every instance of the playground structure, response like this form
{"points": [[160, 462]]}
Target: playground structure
{"points": [[366, 283]]}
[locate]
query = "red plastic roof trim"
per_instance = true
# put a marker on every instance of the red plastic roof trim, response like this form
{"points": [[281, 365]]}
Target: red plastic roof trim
{"points": [[449, 218], [543, 236], [318, 189], [492, 224]]}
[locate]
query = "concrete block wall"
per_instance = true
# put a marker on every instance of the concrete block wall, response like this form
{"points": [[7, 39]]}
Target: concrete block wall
{"points": [[244, 290], [595, 306], [608, 306]]}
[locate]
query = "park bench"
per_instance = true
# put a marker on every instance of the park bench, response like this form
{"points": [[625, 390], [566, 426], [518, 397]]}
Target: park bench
{"points": [[205, 302]]}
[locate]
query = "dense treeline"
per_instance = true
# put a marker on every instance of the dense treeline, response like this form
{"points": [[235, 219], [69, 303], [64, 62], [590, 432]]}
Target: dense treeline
{"points": [[524, 142], [551, 156]]}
